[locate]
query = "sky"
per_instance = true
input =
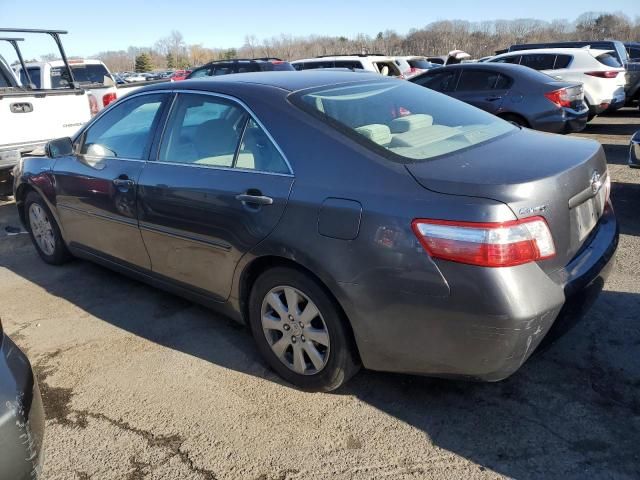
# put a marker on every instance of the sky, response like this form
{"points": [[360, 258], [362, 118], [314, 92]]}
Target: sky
{"points": [[114, 25]]}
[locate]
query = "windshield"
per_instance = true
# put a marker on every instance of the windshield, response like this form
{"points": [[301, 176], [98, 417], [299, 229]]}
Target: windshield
{"points": [[83, 74], [405, 119]]}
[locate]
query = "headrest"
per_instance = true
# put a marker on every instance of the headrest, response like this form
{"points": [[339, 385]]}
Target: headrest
{"points": [[411, 122], [376, 132]]}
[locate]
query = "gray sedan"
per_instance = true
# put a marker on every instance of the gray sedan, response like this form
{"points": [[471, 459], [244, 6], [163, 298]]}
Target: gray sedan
{"points": [[518, 94], [347, 219]]}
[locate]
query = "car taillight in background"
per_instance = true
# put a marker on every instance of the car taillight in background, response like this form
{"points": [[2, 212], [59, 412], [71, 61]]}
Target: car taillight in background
{"points": [[93, 104], [486, 244], [564, 97], [107, 98], [603, 73]]}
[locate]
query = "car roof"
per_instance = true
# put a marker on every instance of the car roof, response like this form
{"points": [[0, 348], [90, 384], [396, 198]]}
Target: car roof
{"points": [[288, 80], [343, 57], [566, 51]]}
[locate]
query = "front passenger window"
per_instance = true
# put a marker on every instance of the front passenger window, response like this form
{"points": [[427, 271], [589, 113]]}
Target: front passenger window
{"points": [[125, 131]]}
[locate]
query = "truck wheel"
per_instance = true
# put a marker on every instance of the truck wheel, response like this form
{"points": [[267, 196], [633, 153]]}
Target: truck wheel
{"points": [[44, 231], [300, 331]]}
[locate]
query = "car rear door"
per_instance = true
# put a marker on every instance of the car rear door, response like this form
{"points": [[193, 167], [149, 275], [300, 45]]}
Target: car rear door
{"points": [[485, 89], [96, 188], [217, 186]]}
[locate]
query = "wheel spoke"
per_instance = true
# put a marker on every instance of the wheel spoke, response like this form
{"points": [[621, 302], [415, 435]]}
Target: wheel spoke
{"points": [[271, 323], [308, 314], [292, 301], [318, 336], [314, 355], [274, 302], [281, 346], [299, 363]]}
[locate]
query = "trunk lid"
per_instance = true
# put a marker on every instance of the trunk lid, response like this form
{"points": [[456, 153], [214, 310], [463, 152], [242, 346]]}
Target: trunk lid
{"points": [[534, 174]]}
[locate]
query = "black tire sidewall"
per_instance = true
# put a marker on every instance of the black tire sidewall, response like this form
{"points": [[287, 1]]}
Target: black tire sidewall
{"points": [[61, 253], [341, 364]]}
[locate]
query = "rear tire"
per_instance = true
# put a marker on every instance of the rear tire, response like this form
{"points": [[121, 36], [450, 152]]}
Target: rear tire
{"points": [[44, 231], [307, 343]]}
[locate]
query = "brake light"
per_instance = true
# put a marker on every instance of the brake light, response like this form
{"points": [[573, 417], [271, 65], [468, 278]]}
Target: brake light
{"points": [[93, 104], [486, 244], [603, 73], [107, 98], [560, 97]]}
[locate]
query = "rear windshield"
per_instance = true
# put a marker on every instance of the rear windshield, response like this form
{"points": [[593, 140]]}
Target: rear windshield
{"points": [[83, 74], [608, 60], [409, 121], [424, 64]]}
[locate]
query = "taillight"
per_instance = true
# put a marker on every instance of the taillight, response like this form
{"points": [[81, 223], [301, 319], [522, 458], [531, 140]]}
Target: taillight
{"points": [[603, 74], [560, 97], [107, 98], [486, 244], [93, 104]]}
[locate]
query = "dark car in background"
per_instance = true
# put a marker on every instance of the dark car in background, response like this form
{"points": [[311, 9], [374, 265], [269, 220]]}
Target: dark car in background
{"points": [[21, 415], [240, 65], [515, 93], [634, 151], [348, 219]]}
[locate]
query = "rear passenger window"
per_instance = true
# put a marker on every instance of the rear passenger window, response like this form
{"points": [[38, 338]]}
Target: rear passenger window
{"points": [[562, 61], [541, 61], [202, 130], [503, 82], [257, 151], [440, 82], [634, 54], [473, 80]]}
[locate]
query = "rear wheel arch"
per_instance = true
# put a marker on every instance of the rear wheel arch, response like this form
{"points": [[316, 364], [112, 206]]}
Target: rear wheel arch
{"points": [[262, 264], [514, 118]]}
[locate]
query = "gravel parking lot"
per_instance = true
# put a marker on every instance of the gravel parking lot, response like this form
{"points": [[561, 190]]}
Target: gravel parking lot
{"points": [[140, 384]]}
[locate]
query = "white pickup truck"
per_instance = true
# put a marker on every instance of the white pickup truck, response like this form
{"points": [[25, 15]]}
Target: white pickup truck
{"points": [[91, 75], [29, 118]]}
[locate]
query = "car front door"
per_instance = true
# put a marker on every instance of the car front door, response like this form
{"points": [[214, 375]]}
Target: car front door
{"points": [[96, 188], [217, 186], [484, 89]]}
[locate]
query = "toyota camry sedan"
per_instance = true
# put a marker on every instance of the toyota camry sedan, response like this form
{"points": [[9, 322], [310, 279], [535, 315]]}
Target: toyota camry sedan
{"points": [[346, 220]]}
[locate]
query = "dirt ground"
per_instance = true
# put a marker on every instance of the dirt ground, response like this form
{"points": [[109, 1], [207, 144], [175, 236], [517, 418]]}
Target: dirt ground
{"points": [[140, 384]]}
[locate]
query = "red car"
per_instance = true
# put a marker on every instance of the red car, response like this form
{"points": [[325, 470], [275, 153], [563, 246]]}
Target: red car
{"points": [[179, 75]]}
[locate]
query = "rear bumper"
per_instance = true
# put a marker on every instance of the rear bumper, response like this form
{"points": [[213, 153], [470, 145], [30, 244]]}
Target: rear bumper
{"points": [[489, 325], [565, 120], [21, 416]]}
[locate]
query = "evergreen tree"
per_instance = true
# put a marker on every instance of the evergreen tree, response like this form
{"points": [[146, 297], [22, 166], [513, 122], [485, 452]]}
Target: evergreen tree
{"points": [[170, 61], [143, 63]]}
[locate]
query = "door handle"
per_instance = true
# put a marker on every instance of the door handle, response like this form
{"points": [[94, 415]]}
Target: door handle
{"points": [[254, 199], [123, 183], [493, 99]]}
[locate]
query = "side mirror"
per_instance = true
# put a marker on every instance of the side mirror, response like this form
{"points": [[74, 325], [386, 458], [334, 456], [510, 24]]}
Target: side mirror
{"points": [[60, 147]]}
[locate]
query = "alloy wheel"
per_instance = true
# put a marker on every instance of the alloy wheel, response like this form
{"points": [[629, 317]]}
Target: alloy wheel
{"points": [[42, 229], [295, 330]]}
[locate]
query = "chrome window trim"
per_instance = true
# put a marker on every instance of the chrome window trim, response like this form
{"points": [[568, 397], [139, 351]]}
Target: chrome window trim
{"points": [[226, 97]]}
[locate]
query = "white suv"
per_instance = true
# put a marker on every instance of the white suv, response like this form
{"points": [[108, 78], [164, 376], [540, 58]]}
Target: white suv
{"points": [[599, 71], [410, 66], [373, 63]]}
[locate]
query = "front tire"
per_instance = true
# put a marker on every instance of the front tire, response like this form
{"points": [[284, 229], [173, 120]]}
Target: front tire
{"points": [[44, 231], [300, 331]]}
